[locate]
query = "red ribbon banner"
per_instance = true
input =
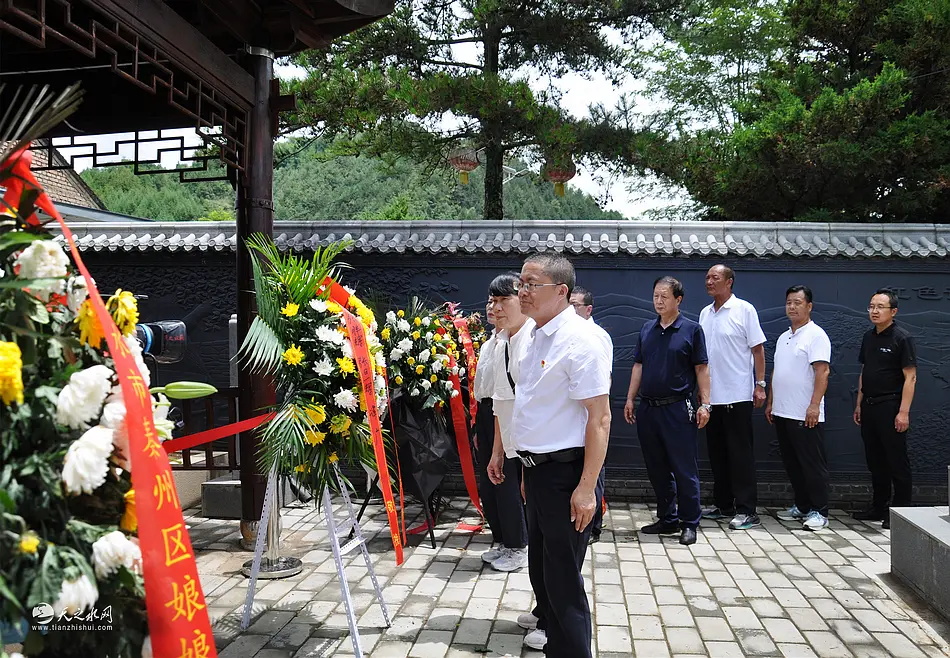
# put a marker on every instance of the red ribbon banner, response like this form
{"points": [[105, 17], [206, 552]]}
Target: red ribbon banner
{"points": [[364, 365], [177, 612], [461, 438], [215, 433], [466, 339]]}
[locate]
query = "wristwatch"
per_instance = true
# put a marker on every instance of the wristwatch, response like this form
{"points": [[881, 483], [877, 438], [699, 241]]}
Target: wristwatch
{"points": [[707, 407], [761, 383]]}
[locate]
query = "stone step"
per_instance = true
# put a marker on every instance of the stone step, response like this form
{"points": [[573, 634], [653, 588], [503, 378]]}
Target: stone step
{"points": [[920, 552], [221, 496]]}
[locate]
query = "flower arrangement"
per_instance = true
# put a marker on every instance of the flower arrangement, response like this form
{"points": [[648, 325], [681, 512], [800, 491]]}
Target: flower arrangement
{"points": [[476, 334], [300, 337], [418, 344], [67, 508]]}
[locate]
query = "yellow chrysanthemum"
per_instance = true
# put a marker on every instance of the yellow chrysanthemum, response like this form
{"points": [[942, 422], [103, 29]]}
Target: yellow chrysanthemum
{"points": [[290, 309], [401, 313], [398, 380], [420, 369], [293, 356], [433, 379], [436, 322], [416, 335], [314, 438], [333, 307], [475, 344], [346, 365], [333, 458], [130, 520], [90, 330], [124, 310], [411, 360], [416, 321], [438, 338], [11, 373], [453, 346], [366, 316], [29, 542], [316, 414], [340, 424], [385, 333], [303, 468]]}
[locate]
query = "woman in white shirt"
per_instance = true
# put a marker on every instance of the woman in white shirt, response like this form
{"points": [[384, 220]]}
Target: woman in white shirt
{"points": [[513, 331]]}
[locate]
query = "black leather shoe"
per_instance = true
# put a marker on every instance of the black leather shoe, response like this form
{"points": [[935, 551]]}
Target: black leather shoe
{"points": [[870, 514], [887, 524], [688, 536], [594, 538], [660, 528]]}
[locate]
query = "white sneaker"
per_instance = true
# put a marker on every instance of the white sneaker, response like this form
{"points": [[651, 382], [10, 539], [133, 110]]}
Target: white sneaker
{"points": [[536, 639], [493, 554], [815, 521], [792, 514], [511, 559], [527, 621]]}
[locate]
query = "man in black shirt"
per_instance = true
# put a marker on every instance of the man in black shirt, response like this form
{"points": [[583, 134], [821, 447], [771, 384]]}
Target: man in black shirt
{"points": [[885, 392]]}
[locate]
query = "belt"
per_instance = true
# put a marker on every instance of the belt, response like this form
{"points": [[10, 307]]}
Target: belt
{"points": [[532, 459], [662, 402], [877, 399]]}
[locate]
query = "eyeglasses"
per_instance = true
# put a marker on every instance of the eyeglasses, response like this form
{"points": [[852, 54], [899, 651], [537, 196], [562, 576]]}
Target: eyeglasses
{"points": [[579, 305], [531, 287], [871, 309]]}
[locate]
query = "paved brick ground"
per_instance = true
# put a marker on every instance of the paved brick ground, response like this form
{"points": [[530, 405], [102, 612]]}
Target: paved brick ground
{"points": [[772, 591]]}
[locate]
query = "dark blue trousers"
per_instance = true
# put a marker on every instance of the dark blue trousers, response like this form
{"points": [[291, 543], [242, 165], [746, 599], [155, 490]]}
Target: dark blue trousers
{"points": [[669, 444], [556, 553], [502, 504], [597, 525]]}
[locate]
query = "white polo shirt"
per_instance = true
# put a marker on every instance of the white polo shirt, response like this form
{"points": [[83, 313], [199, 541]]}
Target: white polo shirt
{"points": [[603, 337], [503, 398], [561, 367], [793, 378], [485, 369], [731, 333]]}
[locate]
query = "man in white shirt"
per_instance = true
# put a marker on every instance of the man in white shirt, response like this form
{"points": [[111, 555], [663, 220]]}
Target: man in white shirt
{"points": [[560, 428], [583, 302], [735, 344], [796, 407]]}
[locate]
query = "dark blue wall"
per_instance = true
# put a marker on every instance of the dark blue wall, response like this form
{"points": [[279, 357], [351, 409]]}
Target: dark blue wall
{"points": [[622, 286]]}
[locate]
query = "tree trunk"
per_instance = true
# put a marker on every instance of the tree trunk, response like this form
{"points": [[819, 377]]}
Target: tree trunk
{"points": [[492, 138]]}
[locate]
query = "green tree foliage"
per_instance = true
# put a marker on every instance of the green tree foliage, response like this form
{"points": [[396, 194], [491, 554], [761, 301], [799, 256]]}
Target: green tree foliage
{"points": [[308, 184], [852, 123], [439, 75]]}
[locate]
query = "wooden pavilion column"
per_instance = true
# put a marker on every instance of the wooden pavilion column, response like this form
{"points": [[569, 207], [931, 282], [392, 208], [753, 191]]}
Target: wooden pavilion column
{"points": [[255, 214]]}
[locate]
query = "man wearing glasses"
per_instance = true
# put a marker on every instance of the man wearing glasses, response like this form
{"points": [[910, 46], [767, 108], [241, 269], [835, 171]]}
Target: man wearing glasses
{"points": [[560, 428], [583, 302], [885, 392]]}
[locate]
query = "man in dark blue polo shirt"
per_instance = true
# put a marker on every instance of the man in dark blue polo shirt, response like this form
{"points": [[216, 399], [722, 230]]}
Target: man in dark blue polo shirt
{"points": [[669, 361]]}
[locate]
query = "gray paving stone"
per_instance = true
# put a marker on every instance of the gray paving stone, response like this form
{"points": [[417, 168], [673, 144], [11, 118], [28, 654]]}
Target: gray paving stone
{"points": [[244, 646], [741, 618], [652, 648], [505, 644], [291, 636], [827, 645], [684, 641], [473, 631], [613, 638], [724, 650], [898, 645], [646, 627], [797, 651]]}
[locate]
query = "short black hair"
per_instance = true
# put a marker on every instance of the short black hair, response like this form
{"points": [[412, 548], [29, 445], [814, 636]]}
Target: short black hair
{"points": [[728, 272], [891, 296], [588, 298], [802, 289], [503, 285], [674, 284], [557, 267]]}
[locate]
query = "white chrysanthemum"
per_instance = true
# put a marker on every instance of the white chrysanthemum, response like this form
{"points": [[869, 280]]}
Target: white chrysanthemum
{"points": [[136, 349], [114, 550], [81, 399], [426, 321], [380, 383], [352, 291], [327, 335], [380, 359], [448, 385], [345, 399], [416, 392], [347, 350], [323, 368], [318, 305], [404, 345], [429, 337], [455, 394], [372, 340], [87, 461], [75, 596], [424, 356], [113, 417], [403, 325], [44, 259], [391, 318], [147, 647], [395, 355], [437, 365], [425, 384], [76, 293]]}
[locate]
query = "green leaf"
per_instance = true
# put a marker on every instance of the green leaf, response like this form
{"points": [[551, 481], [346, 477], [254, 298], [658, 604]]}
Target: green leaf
{"points": [[18, 238], [6, 283], [8, 595], [262, 348]]}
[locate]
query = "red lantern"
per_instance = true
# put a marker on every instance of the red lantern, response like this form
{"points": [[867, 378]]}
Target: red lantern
{"points": [[559, 171], [464, 160]]}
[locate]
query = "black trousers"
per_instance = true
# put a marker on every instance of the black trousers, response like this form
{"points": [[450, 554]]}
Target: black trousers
{"points": [[732, 457], [597, 525], [886, 451], [803, 453], [668, 442], [501, 503], [556, 553]]}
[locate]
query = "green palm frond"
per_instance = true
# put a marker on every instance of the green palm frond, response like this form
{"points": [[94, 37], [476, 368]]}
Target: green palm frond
{"points": [[283, 437], [262, 348], [300, 278], [266, 291]]}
